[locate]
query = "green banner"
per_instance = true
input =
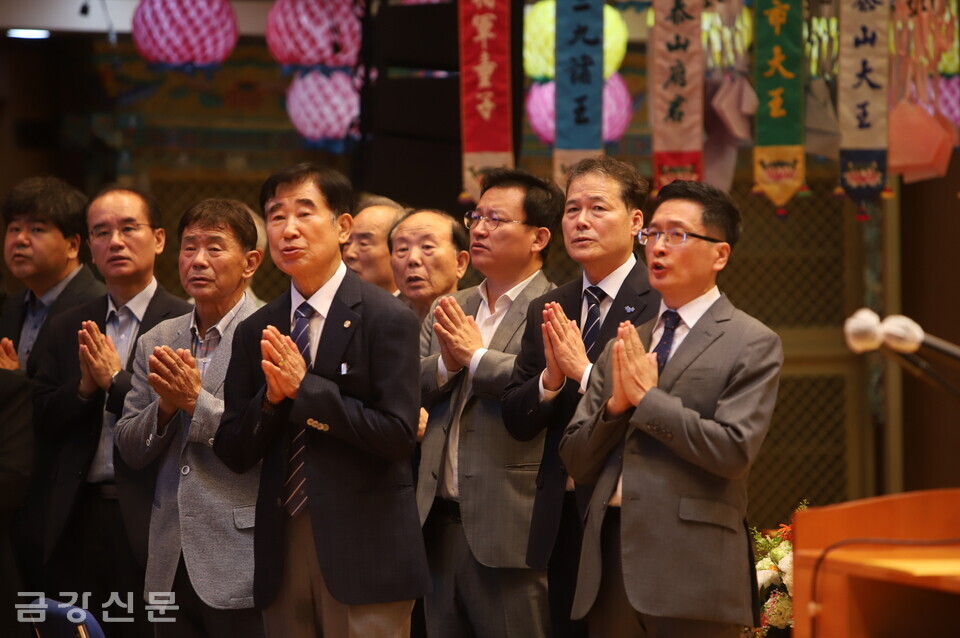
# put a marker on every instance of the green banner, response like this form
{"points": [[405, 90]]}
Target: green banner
{"points": [[778, 72]]}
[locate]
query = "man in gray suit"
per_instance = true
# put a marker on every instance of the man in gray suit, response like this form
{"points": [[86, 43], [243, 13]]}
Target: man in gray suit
{"points": [[201, 528], [668, 439], [477, 483]]}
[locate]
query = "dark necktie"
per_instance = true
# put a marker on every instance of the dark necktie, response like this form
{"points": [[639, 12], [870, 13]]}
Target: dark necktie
{"points": [[670, 322], [295, 487], [591, 328]]}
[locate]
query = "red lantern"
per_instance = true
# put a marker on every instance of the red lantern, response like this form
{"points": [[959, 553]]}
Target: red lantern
{"points": [[324, 108], [314, 32], [185, 32]]}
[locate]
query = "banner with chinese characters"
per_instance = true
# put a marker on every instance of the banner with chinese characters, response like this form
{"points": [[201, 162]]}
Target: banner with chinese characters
{"points": [[579, 80], [676, 91], [778, 157], [485, 102], [862, 97]]}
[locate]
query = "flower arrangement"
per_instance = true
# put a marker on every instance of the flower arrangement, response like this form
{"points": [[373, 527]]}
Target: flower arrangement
{"points": [[774, 554]]}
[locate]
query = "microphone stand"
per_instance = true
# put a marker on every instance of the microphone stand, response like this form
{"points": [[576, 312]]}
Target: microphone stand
{"points": [[921, 369]]}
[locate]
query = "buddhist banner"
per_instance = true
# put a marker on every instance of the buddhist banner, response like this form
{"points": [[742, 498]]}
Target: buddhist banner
{"points": [[579, 83], [676, 91], [485, 102], [862, 97], [778, 157]]}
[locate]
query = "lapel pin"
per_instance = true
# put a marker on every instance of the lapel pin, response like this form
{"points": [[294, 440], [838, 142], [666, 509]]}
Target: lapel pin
{"points": [[629, 308], [343, 368], [346, 324]]}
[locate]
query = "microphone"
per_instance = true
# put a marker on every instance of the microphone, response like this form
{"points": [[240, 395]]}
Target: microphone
{"points": [[861, 331], [903, 334]]}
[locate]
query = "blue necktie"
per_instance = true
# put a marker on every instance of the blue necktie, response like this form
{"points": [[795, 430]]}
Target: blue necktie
{"points": [[670, 322], [591, 329], [295, 487]]}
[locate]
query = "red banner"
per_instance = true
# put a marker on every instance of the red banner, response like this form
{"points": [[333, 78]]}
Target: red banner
{"points": [[486, 122]]}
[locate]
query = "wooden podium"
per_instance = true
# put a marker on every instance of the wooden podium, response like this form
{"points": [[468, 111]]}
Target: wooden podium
{"points": [[894, 590]]}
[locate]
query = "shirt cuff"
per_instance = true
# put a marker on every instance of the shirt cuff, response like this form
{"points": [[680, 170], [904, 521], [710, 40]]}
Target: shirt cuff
{"points": [[546, 395], [475, 360], [585, 378]]}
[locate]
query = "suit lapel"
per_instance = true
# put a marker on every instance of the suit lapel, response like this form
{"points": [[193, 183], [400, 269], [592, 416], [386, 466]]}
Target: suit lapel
{"points": [[515, 317], [217, 370], [338, 327], [629, 304], [708, 329]]}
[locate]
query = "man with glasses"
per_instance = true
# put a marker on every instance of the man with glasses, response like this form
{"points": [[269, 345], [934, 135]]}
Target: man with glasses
{"points": [[99, 513], [565, 331], [667, 436], [476, 483]]}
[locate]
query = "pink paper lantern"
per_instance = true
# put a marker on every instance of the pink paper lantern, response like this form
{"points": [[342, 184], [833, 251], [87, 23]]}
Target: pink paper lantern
{"points": [[617, 109], [185, 32], [950, 97], [322, 107], [314, 32]]}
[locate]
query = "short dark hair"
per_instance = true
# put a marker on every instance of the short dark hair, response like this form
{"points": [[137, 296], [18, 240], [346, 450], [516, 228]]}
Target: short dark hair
{"points": [[228, 214], [332, 184], [633, 188], [47, 199], [542, 201], [458, 232], [719, 213], [153, 208]]}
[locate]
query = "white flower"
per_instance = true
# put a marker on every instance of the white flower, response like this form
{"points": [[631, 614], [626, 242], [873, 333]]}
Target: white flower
{"points": [[786, 572], [778, 610], [767, 578]]}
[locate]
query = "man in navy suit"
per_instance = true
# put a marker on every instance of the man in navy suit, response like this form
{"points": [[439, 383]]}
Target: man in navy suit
{"points": [[322, 388], [565, 332], [99, 514], [42, 248]]}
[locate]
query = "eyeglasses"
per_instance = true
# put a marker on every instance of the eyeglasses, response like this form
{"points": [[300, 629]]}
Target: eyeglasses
{"points": [[472, 218], [102, 234], [673, 237]]}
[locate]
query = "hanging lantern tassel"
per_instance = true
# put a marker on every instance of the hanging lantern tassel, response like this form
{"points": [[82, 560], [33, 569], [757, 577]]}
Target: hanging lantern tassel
{"points": [[185, 34], [887, 192], [863, 215], [325, 110], [781, 212]]}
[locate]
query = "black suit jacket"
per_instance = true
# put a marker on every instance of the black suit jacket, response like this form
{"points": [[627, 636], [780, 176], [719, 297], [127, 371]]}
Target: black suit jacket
{"points": [[69, 427], [525, 416], [360, 405], [81, 289]]}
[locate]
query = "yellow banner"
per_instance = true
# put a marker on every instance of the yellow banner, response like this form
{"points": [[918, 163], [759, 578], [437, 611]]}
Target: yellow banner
{"points": [[779, 171]]}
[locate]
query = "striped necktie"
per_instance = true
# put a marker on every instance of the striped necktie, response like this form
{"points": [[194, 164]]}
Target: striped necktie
{"points": [[295, 487], [594, 295]]}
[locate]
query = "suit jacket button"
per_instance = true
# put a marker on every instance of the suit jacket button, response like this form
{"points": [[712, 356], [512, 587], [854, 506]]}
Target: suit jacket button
{"points": [[324, 427], [185, 470], [312, 422], [210, 441]]}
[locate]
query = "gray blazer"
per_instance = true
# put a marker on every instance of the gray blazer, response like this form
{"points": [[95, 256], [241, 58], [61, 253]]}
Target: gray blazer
{"points": [[497, 473], [200, 506], [686, 453]]}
